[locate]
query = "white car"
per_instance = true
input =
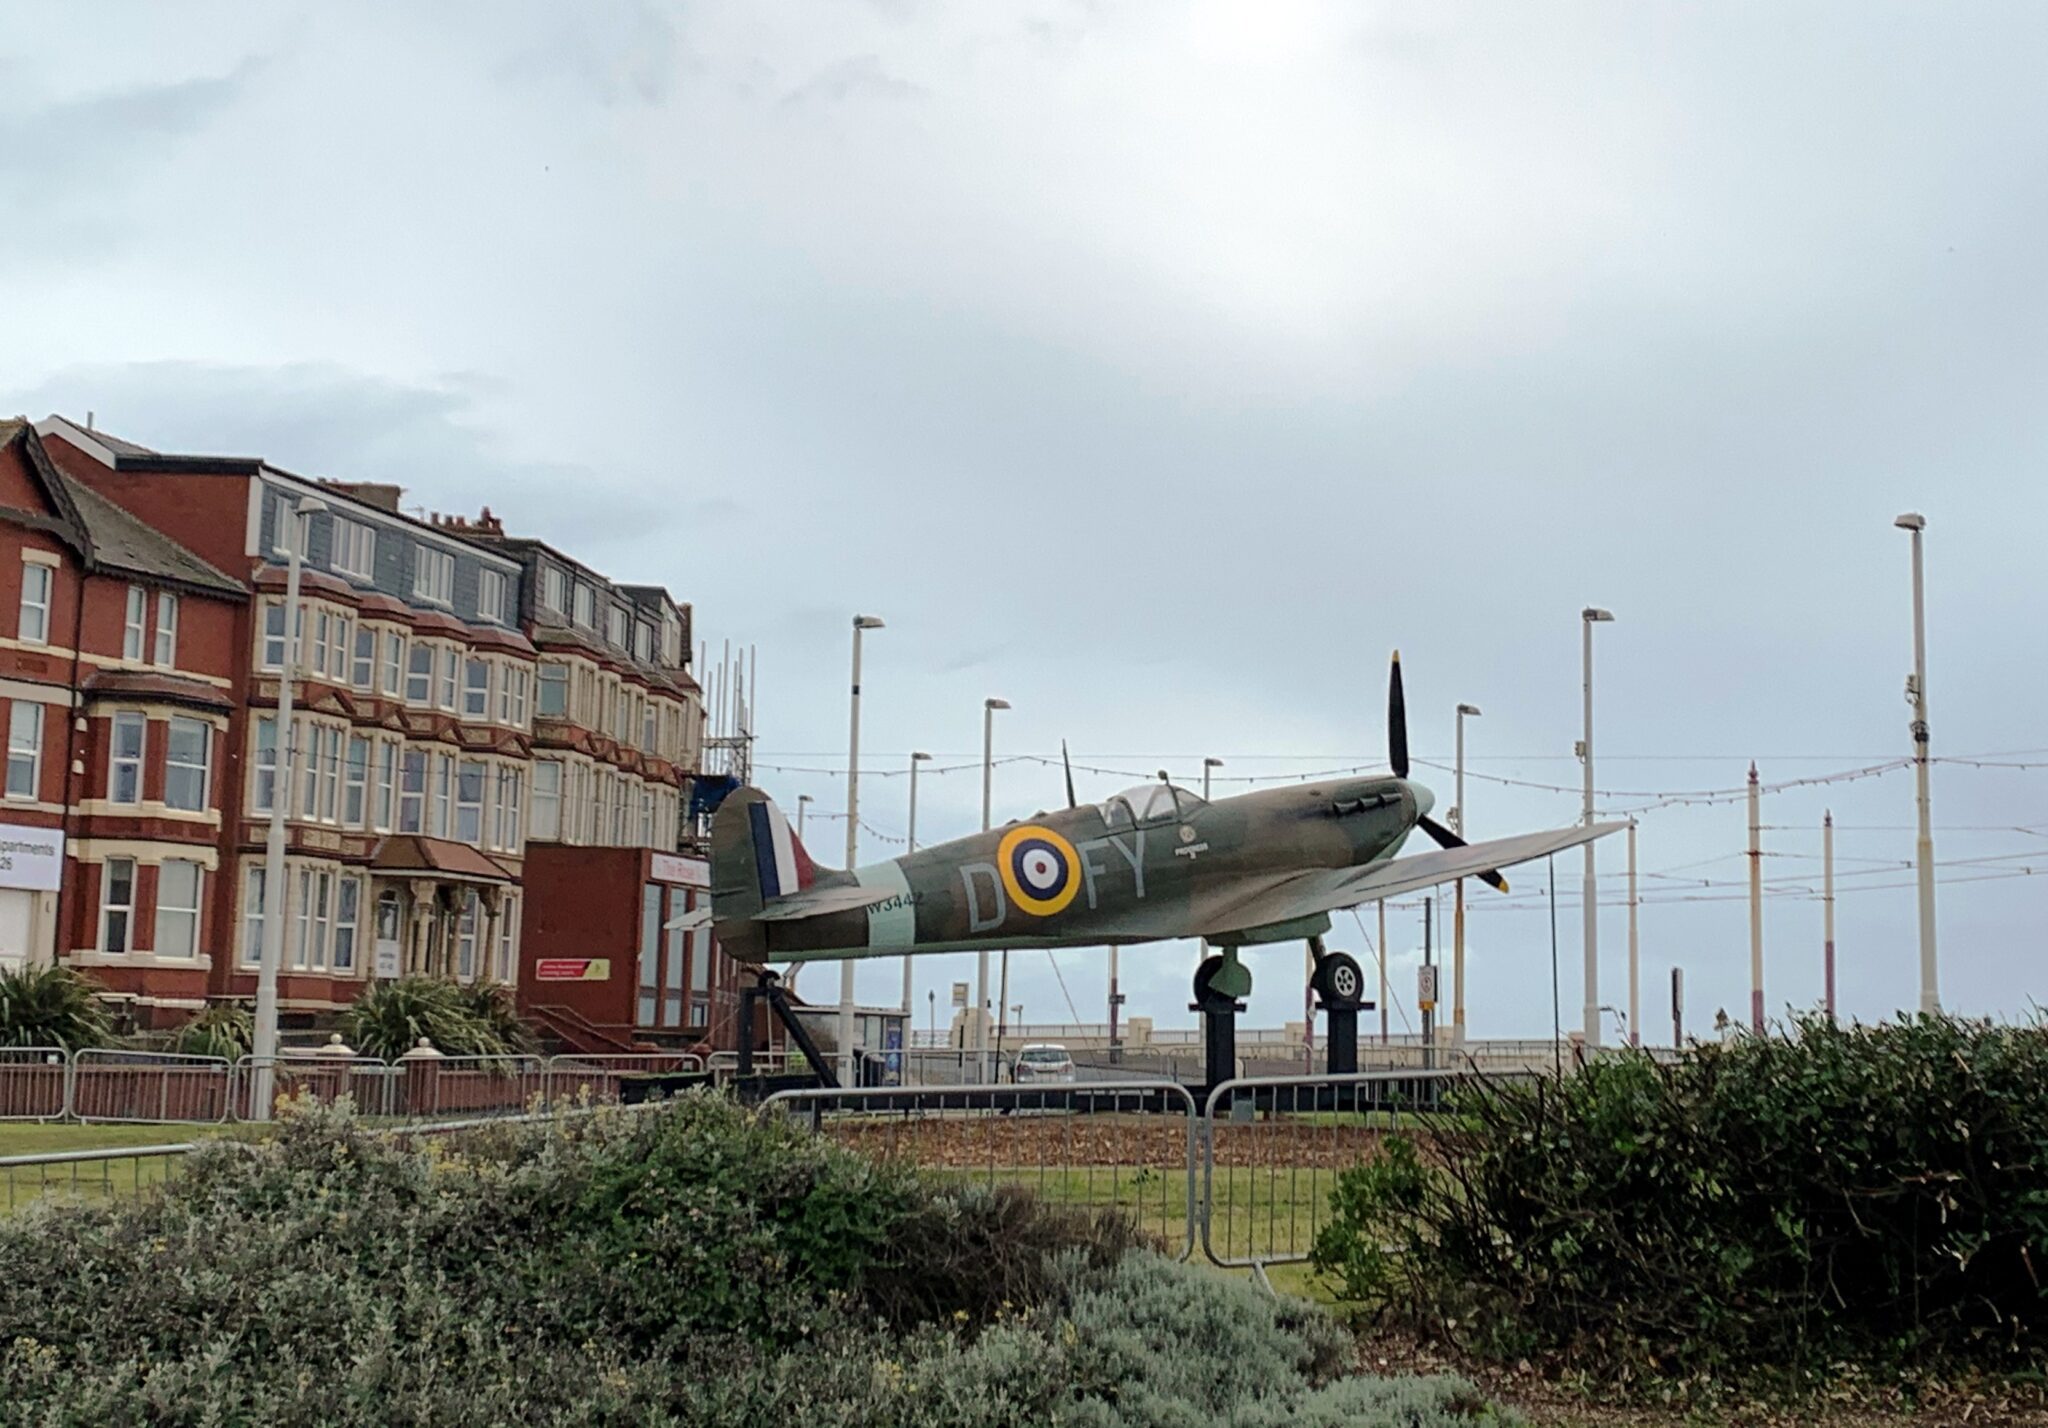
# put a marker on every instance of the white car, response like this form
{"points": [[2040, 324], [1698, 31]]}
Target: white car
{"points": [[1044, 1062]]}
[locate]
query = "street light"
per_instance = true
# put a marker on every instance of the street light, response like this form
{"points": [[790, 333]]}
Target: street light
{"points": [[861, 625], [1923, 849], [263, 1044], [915, 760], [1458, 894], [988, 737], [803, 802], [1590, 910]]}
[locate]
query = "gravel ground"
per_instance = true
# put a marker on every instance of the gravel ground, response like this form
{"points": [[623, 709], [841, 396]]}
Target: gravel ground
{"points": [[1026, 1140]]}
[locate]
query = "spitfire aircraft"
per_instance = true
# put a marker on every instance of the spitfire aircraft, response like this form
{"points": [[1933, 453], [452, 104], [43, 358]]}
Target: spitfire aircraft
{"points": [[1152, 863]]}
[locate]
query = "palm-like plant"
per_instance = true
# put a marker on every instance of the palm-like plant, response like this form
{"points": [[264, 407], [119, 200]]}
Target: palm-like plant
{"points": [[52, 1006], [389, 1018], [493, 1004], [224, 1029]]}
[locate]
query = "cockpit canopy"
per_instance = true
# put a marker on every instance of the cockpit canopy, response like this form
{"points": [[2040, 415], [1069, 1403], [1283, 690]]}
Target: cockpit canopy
{"points": [[1150, 803]]}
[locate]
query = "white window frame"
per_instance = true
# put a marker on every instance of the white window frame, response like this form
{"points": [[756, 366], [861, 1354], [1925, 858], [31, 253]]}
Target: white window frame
{"points": [[164, 650], [391, 681], [176, 918], [109, 909], [547, 795], [383, 796], [348, 916], [354, 548], [490, 596], [116, 760], [554, 588], [585, 602], [362, 669], [448, 670], [465, 806], [24, 750], [433, 575], [253, 874], [546, 675], [424, 678], [135, 624], [263, 764], [508, 939], [476, 697], [38, 583], [409, 761], [173, 766], [355, 785]]}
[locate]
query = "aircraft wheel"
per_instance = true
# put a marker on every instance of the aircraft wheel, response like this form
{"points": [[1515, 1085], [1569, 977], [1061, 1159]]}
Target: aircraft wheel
{"points": [[1204, 975], [1339, 980]]}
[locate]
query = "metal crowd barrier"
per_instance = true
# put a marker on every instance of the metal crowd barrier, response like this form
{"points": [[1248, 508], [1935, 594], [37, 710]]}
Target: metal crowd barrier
{"points": [[1127, 1146], [138, 1087]]}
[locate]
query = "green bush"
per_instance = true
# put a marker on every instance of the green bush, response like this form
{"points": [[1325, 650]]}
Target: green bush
{"points": [[389, 1018], [1879, 1193], [679, 1265], [495, 1007], [52, 1006]]}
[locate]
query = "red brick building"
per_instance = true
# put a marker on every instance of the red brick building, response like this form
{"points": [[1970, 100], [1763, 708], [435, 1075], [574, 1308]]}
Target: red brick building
{"points": [[117, 672]]}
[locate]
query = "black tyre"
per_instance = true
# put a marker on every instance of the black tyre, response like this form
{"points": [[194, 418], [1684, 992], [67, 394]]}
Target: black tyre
{"points": [[1204, 975], [1339, 980]]}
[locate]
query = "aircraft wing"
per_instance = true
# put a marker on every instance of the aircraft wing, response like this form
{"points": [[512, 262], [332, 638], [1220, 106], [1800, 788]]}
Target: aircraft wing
{"points": [[1305, 894], [813, 902]]}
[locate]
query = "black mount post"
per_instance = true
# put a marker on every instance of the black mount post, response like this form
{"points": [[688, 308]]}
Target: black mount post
{"points": [[770, 989]]}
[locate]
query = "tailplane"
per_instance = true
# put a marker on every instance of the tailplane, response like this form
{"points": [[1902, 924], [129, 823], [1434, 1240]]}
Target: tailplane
{"points": [[756, 858]]}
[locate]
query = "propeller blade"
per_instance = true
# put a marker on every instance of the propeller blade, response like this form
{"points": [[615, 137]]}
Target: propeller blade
{"points": [[1445, 838], [1397, 721], [1070, 775]]}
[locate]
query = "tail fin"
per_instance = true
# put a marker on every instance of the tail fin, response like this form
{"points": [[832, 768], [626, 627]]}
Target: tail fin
{"points": [[755, 856]]}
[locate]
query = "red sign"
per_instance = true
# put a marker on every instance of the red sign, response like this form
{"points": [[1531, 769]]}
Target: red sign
{"points": [[573, 969]]}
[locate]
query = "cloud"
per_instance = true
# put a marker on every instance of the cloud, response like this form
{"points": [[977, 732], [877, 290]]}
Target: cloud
{"points": [[618, 54], [860, 77], [92, 145]]}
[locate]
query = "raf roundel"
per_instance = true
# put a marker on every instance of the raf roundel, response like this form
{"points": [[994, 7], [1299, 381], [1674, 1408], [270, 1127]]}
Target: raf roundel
{"points": [[1040, 869]]}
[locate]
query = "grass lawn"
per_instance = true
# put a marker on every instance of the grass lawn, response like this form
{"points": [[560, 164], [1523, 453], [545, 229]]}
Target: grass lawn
{"points": [[19, 1185]]}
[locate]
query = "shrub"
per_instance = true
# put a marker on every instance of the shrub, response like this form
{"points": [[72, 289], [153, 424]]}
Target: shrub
{"points": [[681, 1265], [389, 1018], [52, 1006], [224, 1029], [493, 1005], [1875, 1193]]}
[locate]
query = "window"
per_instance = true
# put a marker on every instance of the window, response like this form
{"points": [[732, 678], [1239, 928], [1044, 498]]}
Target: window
{"points": [[620, 799], [252, 913], [643, 643], [552, 588], [323, 629], [185, 763], [672, 979], [24, 749], [615, 626], [264, 791], [364, 668], [650, 949], [124, 769], [177, 908], [465, 938], [34, 628], [449, 659], [355, 781], [547, 799], [314, 919], [387, 784], [273, 635], [338, 651], [490, 596], [511, 792], [412, 793], [469, 803], [117, 903], [355, 548], [476, 688], [133, 628], [650, 720], [586, 604], [433, 576], [508, 940], [166, 630], [444, 778], [646, 818], [394, 664], [554, 692], [347, 899], [419, 678]]}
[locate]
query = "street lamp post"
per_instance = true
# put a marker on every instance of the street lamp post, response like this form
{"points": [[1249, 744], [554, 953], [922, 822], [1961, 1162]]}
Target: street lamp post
{"points": [[1590, 909], [263, 1044], [861, 624], [988, 763], [1465, 711], [803, 803], [911, 838], [1923, 849]]}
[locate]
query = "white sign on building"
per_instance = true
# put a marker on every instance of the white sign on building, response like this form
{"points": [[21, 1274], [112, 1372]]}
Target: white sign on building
{"points": [[31, 858], [673, 868]]}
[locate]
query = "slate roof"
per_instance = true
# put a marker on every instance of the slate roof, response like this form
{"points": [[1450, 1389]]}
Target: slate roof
{"points": [[120, 542]]}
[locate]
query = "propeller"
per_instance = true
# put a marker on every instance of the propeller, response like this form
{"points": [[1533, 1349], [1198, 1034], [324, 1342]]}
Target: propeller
{"points": [[1397, 758], [1070, 775]]}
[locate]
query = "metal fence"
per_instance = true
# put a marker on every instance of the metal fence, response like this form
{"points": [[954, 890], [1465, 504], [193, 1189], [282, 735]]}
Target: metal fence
{"points": [[150, 1087], [1127, 1146]]}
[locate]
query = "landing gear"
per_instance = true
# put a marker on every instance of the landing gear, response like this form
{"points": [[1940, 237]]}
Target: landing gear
{"points": [[1339, 985], [1219, 983]]}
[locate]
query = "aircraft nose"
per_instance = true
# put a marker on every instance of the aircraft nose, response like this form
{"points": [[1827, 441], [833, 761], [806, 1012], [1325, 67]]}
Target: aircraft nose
{"points": [[1424, 799]]}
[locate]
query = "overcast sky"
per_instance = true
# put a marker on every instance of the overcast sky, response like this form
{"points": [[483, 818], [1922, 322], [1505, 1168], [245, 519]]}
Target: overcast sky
{"points": [[1160, 368]]}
